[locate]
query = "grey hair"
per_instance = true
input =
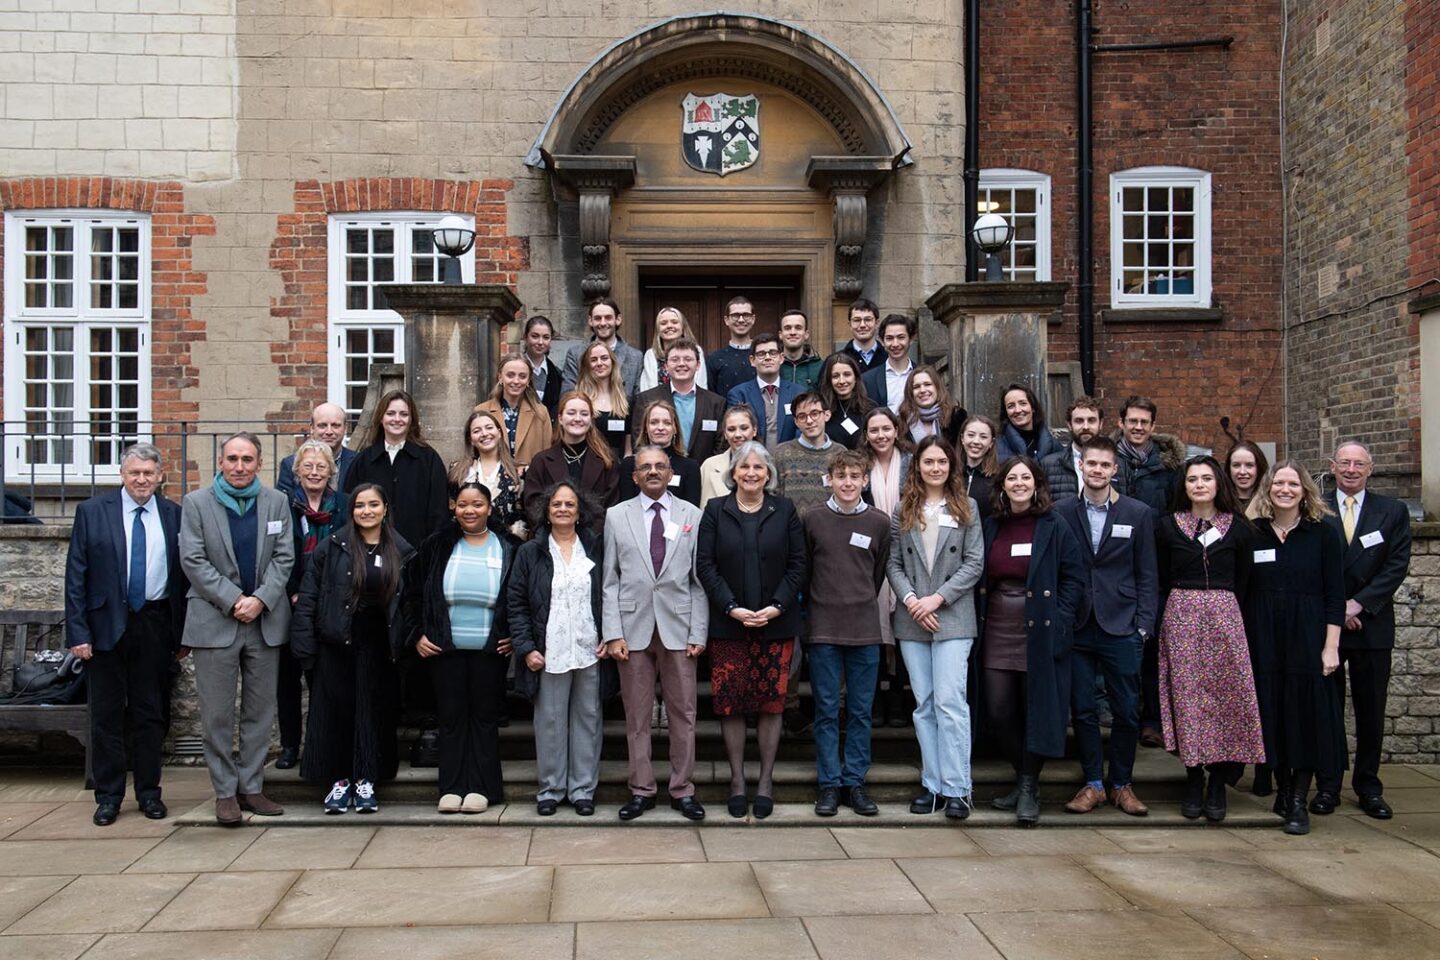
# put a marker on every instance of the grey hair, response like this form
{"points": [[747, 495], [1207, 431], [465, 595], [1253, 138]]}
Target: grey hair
{"points": [[321, 450], [1351, 442], [651, 448], [755, 448], [142, 451], [248, 437]]}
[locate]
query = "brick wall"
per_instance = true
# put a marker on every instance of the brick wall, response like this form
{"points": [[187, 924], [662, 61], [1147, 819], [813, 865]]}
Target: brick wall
{"points": [[1422, 145], [1211, 109]]}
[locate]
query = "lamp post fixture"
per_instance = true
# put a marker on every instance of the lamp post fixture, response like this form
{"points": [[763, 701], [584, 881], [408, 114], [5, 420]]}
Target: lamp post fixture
{"points": [[992, 233], [453, 238]]}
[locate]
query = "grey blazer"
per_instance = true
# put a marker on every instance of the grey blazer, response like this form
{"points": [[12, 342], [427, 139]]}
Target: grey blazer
{"points": [[208, 558], [959, 562], [637, 602]]}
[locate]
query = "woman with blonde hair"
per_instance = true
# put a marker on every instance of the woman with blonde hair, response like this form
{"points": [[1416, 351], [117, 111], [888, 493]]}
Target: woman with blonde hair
{"points": [[599, 379], [487, 460], [736, 427], [524, 419], [670, 325], [660, 427]]}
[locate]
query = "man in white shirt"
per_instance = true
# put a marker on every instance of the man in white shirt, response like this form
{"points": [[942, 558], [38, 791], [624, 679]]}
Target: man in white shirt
{"points": [[886, 383], [864, 316]]}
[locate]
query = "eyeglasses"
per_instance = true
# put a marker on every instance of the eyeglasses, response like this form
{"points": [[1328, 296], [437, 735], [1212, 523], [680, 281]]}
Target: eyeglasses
{"points": [[808, 416], [741, 316], [652, 467], [766, 354]]}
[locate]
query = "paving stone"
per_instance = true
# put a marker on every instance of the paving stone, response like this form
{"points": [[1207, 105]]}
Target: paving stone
{"points": [[103, 904], [1406, 800], [528, 941], [968, 884], [1371, 874], [844, 887], [26, 858], [757, 843], [19, 894], [431, 896], [217, 945], [554, 845], [301, 848], [62, 947], [1175, 840], [693, 940], [1042, 842], [1428, 911], [656, 891], [224, 901], [1183, 881], [446, 847], [1422, 829], [196, 850], [14, 816], [1373, 931], [43, 787], [1335, 832], [869, 842], [74, 821], [1096, 935], [898, 938]]}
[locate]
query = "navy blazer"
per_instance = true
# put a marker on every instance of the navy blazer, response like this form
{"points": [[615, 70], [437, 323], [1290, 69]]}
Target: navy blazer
{"points": [[286, 483], [874, 380], [749, 393], [96, 606], [1374, 573], [1123, 579]]}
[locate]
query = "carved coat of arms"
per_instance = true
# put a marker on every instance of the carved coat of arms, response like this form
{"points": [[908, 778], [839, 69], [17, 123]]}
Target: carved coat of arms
{"points": [[721, 132]]}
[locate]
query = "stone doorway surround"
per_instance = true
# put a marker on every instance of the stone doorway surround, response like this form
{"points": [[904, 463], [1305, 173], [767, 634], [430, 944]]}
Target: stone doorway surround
{"points": [[612, 148]]}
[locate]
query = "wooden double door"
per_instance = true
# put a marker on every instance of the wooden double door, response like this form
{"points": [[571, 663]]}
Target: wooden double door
{"points": [[702, 295]]}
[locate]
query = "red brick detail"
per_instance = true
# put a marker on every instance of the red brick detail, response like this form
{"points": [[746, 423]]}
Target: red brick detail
{"points": [[1422, 145], [174, 282], [299, 254]]}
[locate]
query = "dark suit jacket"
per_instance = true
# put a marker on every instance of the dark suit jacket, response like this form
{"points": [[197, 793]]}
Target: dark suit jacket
{"points": [[96, 605], [875, 383], [1123, 580], [749, 393], [286, 483], [1374, 573], [708, 406], [876, 359]]}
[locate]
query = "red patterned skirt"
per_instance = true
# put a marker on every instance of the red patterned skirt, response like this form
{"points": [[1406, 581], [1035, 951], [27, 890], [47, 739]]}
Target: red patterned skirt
{"points": [[1207, 691], [750, 675]]}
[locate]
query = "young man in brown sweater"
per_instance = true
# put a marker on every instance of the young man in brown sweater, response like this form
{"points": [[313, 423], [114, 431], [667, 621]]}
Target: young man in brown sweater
{"points": [[849, 543]]}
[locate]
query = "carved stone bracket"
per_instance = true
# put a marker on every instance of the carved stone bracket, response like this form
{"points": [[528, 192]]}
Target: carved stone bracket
{"points": [[595, 179], [848, 180]]}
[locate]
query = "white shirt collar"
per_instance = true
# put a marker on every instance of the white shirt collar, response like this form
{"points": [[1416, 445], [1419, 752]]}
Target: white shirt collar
{"points": [[665, 501], [128, 502]]}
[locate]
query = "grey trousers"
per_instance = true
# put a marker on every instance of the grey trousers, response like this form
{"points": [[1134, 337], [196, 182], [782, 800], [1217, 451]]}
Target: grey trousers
{"points": [[249, 663], [569, 729]]}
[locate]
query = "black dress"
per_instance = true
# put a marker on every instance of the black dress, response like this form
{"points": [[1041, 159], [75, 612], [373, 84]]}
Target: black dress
{"points": [[1292, 598], [844, 426], [614, 429]]}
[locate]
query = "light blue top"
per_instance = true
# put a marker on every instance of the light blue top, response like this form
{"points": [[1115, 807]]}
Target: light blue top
{"points": [[472, 588], [685, 409]]}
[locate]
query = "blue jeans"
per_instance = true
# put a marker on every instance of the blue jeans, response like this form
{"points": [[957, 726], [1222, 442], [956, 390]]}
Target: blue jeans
{"points": [[859, 667], [938, 671], [1117, 659]]}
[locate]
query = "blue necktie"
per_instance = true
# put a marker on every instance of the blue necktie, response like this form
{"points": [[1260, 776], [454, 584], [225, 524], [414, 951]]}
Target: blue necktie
{"points": [[136, 592]]}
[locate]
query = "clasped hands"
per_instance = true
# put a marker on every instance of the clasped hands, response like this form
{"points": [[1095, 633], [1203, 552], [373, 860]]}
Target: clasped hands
{"points": [[923, 611], [755, 619]]}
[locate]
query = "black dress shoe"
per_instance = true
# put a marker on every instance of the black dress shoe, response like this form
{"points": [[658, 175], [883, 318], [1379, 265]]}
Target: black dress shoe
{"points": [[585, 808], [1324, 803], [927, 802], [828, 803], [689, 808], [635, 806], [858, 799], [1376, 807], [764, 806], [153, 809], [957, 808], [547, 808], [105, 814], [737, 806], [289, 756]]}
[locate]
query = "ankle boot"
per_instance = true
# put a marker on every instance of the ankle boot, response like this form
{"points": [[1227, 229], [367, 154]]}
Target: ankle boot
{"points": [[1027, 802], [1194, 793], [1261, 785], [1006, 801], [1215, 797], [1297, 815]]}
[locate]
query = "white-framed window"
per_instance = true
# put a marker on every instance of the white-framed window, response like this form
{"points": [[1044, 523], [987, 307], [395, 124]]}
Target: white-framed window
{"points": [[365, 251], [77, 341], [1160, 237], [1023, 198]]}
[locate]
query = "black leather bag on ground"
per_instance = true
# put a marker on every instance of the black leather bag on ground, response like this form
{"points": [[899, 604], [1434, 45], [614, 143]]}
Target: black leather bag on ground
{"points": [[51, 677]]}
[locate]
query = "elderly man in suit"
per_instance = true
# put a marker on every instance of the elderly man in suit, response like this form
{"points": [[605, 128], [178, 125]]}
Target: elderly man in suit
{"points": [[327, 424], [237, 550], [1116, 616], [124, 611], [656, 619], [1377, 558]]}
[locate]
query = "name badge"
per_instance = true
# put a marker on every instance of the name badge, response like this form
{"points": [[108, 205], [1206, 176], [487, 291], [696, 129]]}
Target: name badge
{"points": [[1264, 556], [1020, 549], [583, 565], [494, 563], [274, 528], [860, 540], [616, 426], [1209, 537], [825, 481], [674, 481], [946, 520], [709, 425], [378, 564], [851, 427], [672, 530], [1371, 539], [787, 409], [1122, 530]]}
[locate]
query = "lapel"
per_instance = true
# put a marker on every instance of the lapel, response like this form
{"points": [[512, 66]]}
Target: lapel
{"points": [[1354, 550], [523, 423], [1044, 530], [680, 519], [115, 520], [640, 528], [172, 537], [1109, 522], [220, 517], [264, 543]]}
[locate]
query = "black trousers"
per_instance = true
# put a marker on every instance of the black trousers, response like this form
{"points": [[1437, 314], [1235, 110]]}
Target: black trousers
{"points": [[1369, 673], [128, 688], [287, 700], [350, 719], [469, 700], [1006, 697], [1150, 684]]}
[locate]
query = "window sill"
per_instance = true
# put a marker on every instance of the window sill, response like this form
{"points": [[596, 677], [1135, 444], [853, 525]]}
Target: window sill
{"points": [[1213, 314]]}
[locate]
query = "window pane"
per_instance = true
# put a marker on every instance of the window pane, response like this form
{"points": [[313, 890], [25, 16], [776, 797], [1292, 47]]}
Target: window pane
{"points": [[422, 240], [1133, 227], [383, 241], [384, 339], [358, 270], [1157, 198], [1183, 227], [1133, 199], [424, 271], [357, 240], [1184, 198], [1025, 201], [355, 298], [1157, 228], [129, 297], [384, 271]]}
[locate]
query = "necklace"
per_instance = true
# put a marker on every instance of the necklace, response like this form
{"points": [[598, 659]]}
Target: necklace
{"points": [[572, 458], [749, 509], [1284, 532]]}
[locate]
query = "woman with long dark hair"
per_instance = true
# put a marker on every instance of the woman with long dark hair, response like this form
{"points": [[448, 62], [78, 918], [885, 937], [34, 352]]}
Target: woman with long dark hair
{"points": [[409, 469], [977, 449], [844, 396], [1246, 463], [1024, 433], [487, 459], [344, 631]]}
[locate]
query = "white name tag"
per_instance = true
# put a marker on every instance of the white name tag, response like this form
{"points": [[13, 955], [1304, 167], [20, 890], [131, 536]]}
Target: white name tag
{"points": [[850, 426], [787, 409], [1209, 537], [946, 520], [378, 564], [1122, 530], [674, 481], [1020, 549], [494, 563], [860, 540], [709, 425], [617, 426], [274, 527], [583, 565], [672, 530], [1264, 556], [825, 481], [1371, 539]]}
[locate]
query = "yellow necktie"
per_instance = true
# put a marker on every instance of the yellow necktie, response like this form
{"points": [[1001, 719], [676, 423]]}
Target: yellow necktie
{"points": [[1349, 519]]}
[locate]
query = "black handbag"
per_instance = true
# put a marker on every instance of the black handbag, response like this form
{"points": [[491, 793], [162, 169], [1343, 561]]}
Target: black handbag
{"points": [[51, 677]]}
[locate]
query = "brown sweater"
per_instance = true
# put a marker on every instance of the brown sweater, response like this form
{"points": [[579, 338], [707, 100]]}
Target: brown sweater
{"points": [[845, 578]]}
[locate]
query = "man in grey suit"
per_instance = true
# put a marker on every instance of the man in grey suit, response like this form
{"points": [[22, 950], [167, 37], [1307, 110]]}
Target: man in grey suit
{"points": [[236, 549], [656, 619], [604, 320]]}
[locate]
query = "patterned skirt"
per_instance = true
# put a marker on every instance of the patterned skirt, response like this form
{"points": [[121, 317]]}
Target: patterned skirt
{"points": [[1207, 691], [750, 675]]}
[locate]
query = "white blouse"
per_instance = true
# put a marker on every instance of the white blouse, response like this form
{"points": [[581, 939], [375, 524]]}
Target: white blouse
{"points": [[570, 634]]}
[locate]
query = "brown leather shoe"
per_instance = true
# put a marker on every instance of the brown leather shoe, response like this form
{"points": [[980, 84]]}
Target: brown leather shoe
{"points": [[1086, 800], [260, 805], [1125, 799], [227, 812]]}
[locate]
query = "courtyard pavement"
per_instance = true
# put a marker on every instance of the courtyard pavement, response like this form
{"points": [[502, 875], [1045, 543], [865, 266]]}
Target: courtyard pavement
{"points": [[1355, 888]]}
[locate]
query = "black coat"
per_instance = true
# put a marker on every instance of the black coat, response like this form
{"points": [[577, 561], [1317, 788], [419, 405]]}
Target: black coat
{"points": [[1054, 592], [527, 603], [422, 591], [1122, 579], [325, 610], [1374, 573], [415, 482], [553, 384], [720, 562]]}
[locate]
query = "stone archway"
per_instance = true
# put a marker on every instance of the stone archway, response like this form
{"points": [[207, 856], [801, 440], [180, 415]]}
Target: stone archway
{"points": [[612, 147]]}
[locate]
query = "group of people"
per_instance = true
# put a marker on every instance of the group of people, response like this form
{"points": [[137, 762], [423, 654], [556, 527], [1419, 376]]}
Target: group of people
{"points": [[613, 520]]}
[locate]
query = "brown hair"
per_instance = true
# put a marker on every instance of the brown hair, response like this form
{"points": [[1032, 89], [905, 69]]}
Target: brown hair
{"points": [[1312, 504], [586, 383], [461, 467], [991, 461], [1039, 501], [912, 490], [910, 410], [377, 423], [642, 429]]}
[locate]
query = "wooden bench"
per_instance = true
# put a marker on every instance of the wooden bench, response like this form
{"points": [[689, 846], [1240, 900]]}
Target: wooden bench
{"points": [[22, 632]]}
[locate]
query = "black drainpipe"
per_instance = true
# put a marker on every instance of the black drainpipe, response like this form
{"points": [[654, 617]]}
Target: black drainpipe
{"points": [[972, 135], [1085, 187]]}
